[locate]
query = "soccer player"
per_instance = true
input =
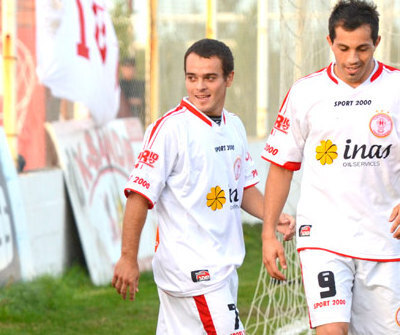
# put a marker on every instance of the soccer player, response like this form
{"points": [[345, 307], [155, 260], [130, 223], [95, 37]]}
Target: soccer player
{"points": [[342, 125], [196, 166]]}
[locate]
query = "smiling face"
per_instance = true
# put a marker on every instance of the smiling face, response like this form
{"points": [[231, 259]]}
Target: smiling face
{"points": [[354, 51], [205, 83]]}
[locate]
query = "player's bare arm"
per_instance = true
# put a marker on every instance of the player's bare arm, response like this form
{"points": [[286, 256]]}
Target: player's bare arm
{"points": [[126, 272], [395, 219], [253, 203], [276, 192]]}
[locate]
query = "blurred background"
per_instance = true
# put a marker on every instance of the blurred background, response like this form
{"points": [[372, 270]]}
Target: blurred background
{"points": [[81, 79]]}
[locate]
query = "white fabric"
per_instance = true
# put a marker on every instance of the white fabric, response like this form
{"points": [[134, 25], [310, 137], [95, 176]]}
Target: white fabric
{"points": [[347, 195], [364, 293], [212, 313], [186, 160], [77, 54]]}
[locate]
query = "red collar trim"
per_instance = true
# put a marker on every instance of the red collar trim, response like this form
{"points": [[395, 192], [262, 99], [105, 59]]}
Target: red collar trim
{"points": [[329, 70], [378, 72], [192, 109]]}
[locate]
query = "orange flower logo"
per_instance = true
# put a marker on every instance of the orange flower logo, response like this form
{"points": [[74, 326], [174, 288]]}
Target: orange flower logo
{"points": [[216, 198], [326, 152]]}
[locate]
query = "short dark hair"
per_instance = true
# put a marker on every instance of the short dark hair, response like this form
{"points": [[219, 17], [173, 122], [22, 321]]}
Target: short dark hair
{"points": [[351, 14], [129, 61], [208, 48]]}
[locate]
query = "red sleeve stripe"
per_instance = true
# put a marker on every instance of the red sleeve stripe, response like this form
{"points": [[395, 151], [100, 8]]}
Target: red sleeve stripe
{"points": [[283, 103], [306, 77], [196, 112], [128, 191], [292, 166], [390, 68], [246, 187], [160, 120]]}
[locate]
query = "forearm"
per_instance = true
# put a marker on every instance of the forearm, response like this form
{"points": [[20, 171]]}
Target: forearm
{"points": [[253, 202], [276, 192], [134, 220]]}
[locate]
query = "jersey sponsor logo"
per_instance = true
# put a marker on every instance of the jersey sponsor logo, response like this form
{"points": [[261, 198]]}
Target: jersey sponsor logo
{"points": [[381, 125], [282, 124], [237, 168], [228, 147], [141, 181], [305, 230], [200, 275], [326, 152], [147, 157], [216, 198], [353, 151], [398, 317]]}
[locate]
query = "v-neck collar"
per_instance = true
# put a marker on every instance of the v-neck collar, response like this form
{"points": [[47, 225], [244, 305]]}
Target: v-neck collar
{"points": [[185, 103]]}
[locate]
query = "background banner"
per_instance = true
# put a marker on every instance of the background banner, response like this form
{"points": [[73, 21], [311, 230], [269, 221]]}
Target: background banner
{"points": [[96, 164], [77, 54]]}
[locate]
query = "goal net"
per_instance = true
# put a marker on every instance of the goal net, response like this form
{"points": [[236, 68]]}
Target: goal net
{"points": [[279, 307]]}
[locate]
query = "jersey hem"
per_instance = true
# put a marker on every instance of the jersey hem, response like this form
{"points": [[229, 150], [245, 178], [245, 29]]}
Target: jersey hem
{"points": [[350, 256]]}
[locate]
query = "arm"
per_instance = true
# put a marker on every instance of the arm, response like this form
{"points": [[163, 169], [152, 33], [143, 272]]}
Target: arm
{"points": [[395, 218], [253, 203], [276, 191], [126, 272]]}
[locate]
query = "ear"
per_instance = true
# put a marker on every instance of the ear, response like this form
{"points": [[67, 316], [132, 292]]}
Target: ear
{"points": [[378, 40], [229, 79], [328, 38]]}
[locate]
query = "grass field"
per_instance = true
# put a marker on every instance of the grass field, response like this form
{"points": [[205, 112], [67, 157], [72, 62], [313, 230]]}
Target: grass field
{"points": [[72, 305]]}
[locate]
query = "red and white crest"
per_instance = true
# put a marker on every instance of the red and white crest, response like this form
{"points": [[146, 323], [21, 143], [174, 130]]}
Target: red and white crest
{"points": [[381, 125]]}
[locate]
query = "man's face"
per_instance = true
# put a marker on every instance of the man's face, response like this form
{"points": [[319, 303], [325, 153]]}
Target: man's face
{"points": [[205, 83], [354, 51]]}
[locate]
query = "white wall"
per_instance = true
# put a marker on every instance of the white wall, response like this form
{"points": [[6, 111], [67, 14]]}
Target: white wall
{"points": [[54, 242]]}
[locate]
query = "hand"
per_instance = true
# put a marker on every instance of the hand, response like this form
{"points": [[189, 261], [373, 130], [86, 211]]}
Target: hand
{"points": [[286, 226], [272, 250], [395, 218], [126, 277]]}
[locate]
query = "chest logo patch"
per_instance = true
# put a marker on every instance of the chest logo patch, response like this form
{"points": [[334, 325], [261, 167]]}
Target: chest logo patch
{"points": [[237, 167], [326, 153], [216, 198], [381, 125]]}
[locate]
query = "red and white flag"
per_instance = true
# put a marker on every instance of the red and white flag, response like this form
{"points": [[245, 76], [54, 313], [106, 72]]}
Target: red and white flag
{"points": [[77, 54]]}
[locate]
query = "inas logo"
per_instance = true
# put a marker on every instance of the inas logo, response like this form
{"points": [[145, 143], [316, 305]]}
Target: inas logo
{"points": [[216, 198], [326, 152]]}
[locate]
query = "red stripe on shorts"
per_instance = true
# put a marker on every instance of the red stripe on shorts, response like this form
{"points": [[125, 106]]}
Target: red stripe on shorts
{"points": [[205, 315]]}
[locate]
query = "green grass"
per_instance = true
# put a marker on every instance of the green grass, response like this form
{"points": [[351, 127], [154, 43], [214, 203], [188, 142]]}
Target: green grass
{"points": [[72, 305]]}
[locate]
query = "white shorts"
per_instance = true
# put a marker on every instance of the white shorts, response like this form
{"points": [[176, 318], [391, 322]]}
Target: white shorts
{"points": [[213, 313], [365, 294]]}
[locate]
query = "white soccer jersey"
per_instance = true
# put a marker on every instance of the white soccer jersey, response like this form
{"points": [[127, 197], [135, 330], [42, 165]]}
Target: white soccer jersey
{"points": [[196, 172], [348, 143]]}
